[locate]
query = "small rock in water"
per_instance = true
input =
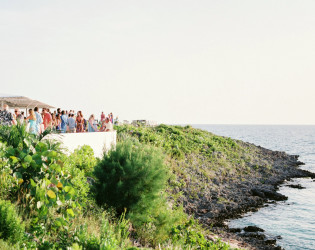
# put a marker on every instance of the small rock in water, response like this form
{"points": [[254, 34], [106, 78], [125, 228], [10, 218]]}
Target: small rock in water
{"points": [[254, 235], [235, 230], [270, 241], [268, 193], [298, 186], [253, 229]]}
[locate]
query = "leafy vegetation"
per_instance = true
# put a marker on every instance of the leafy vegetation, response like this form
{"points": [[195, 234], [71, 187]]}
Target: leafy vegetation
{"points": [[198, 159], [188, 235], [130, 173], [11, 226], [48, 189], [80, 202], [83, 159], [7, 246], [179, 141]]}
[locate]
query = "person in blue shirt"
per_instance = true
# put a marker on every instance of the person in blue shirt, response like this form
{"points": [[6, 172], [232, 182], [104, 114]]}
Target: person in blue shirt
{"points": [[39, 120], [32, 121], [91, 124], [64, 121], [71, 123]]}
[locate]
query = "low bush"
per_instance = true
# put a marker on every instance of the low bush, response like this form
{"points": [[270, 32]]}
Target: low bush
{"points": [[134, 178], [80, 165], [6, 246], [112, 234], [42, 185], [189, 235], [11, 226], [83, 158], [131, 174], [7, 181], [16, 136]]}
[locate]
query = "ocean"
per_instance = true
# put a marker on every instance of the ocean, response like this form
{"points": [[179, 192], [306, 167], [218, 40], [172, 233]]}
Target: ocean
{"points": [[294, 219]]}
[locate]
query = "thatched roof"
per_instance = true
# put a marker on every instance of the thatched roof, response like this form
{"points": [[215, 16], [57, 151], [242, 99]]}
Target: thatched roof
{"points": [[21, 102]]}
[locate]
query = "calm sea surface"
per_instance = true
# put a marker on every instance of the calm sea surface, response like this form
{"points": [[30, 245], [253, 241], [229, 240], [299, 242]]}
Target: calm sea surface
{"points": [[293, 219]]}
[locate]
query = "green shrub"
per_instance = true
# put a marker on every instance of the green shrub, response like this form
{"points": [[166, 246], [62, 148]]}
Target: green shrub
{"points": [[84, 159], [134, 178], [154, 224], [6, 246], [16, 136], [189, 235], [7, 181], [79, 183], [11, 226], [131, 174], [113, 234], [80, 165], [45, 188], [86, 240]]}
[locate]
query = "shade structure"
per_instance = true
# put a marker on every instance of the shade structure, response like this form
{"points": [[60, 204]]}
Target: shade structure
{"points": [[21, 102]]}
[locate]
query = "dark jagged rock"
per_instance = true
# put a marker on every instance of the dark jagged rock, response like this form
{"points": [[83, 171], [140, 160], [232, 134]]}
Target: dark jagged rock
{"points": [[253, 229], [259, 193], [270, 241], [297, 186], [255, 235], [269, 194], [235, 230]]}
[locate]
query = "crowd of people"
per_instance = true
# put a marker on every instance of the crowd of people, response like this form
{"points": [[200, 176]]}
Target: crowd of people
{"points": [[60, 120]]}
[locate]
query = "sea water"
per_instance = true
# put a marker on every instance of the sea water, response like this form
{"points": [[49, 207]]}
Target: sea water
{"points": [[294, 219]]}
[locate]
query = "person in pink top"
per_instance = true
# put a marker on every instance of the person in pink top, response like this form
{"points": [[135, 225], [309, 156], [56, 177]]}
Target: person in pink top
{"points": [[102, 117], [47, 119]]}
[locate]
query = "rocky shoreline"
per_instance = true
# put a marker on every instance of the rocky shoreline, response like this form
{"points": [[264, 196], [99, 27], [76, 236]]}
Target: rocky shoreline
{"points": [[232, 196]]}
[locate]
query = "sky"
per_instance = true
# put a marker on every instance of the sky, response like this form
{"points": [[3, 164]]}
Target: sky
{"points": [[172, 61]]}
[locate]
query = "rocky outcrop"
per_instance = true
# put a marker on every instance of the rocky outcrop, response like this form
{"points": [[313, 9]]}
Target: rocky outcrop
{"points": [[229, 194]]}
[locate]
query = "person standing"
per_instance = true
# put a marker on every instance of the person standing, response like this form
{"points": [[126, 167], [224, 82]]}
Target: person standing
{"points": [[58, 122], [39, 120], [64, 119], [6, 118], [108, 125], [92, 127], [71, 123], [47, 119], [32, 120], [18, 116], [102, 116], [53, 121], [80, 122]]}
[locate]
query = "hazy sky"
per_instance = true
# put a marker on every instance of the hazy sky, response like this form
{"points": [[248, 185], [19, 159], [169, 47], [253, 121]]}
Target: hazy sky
{"points": [[238, 62]]}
